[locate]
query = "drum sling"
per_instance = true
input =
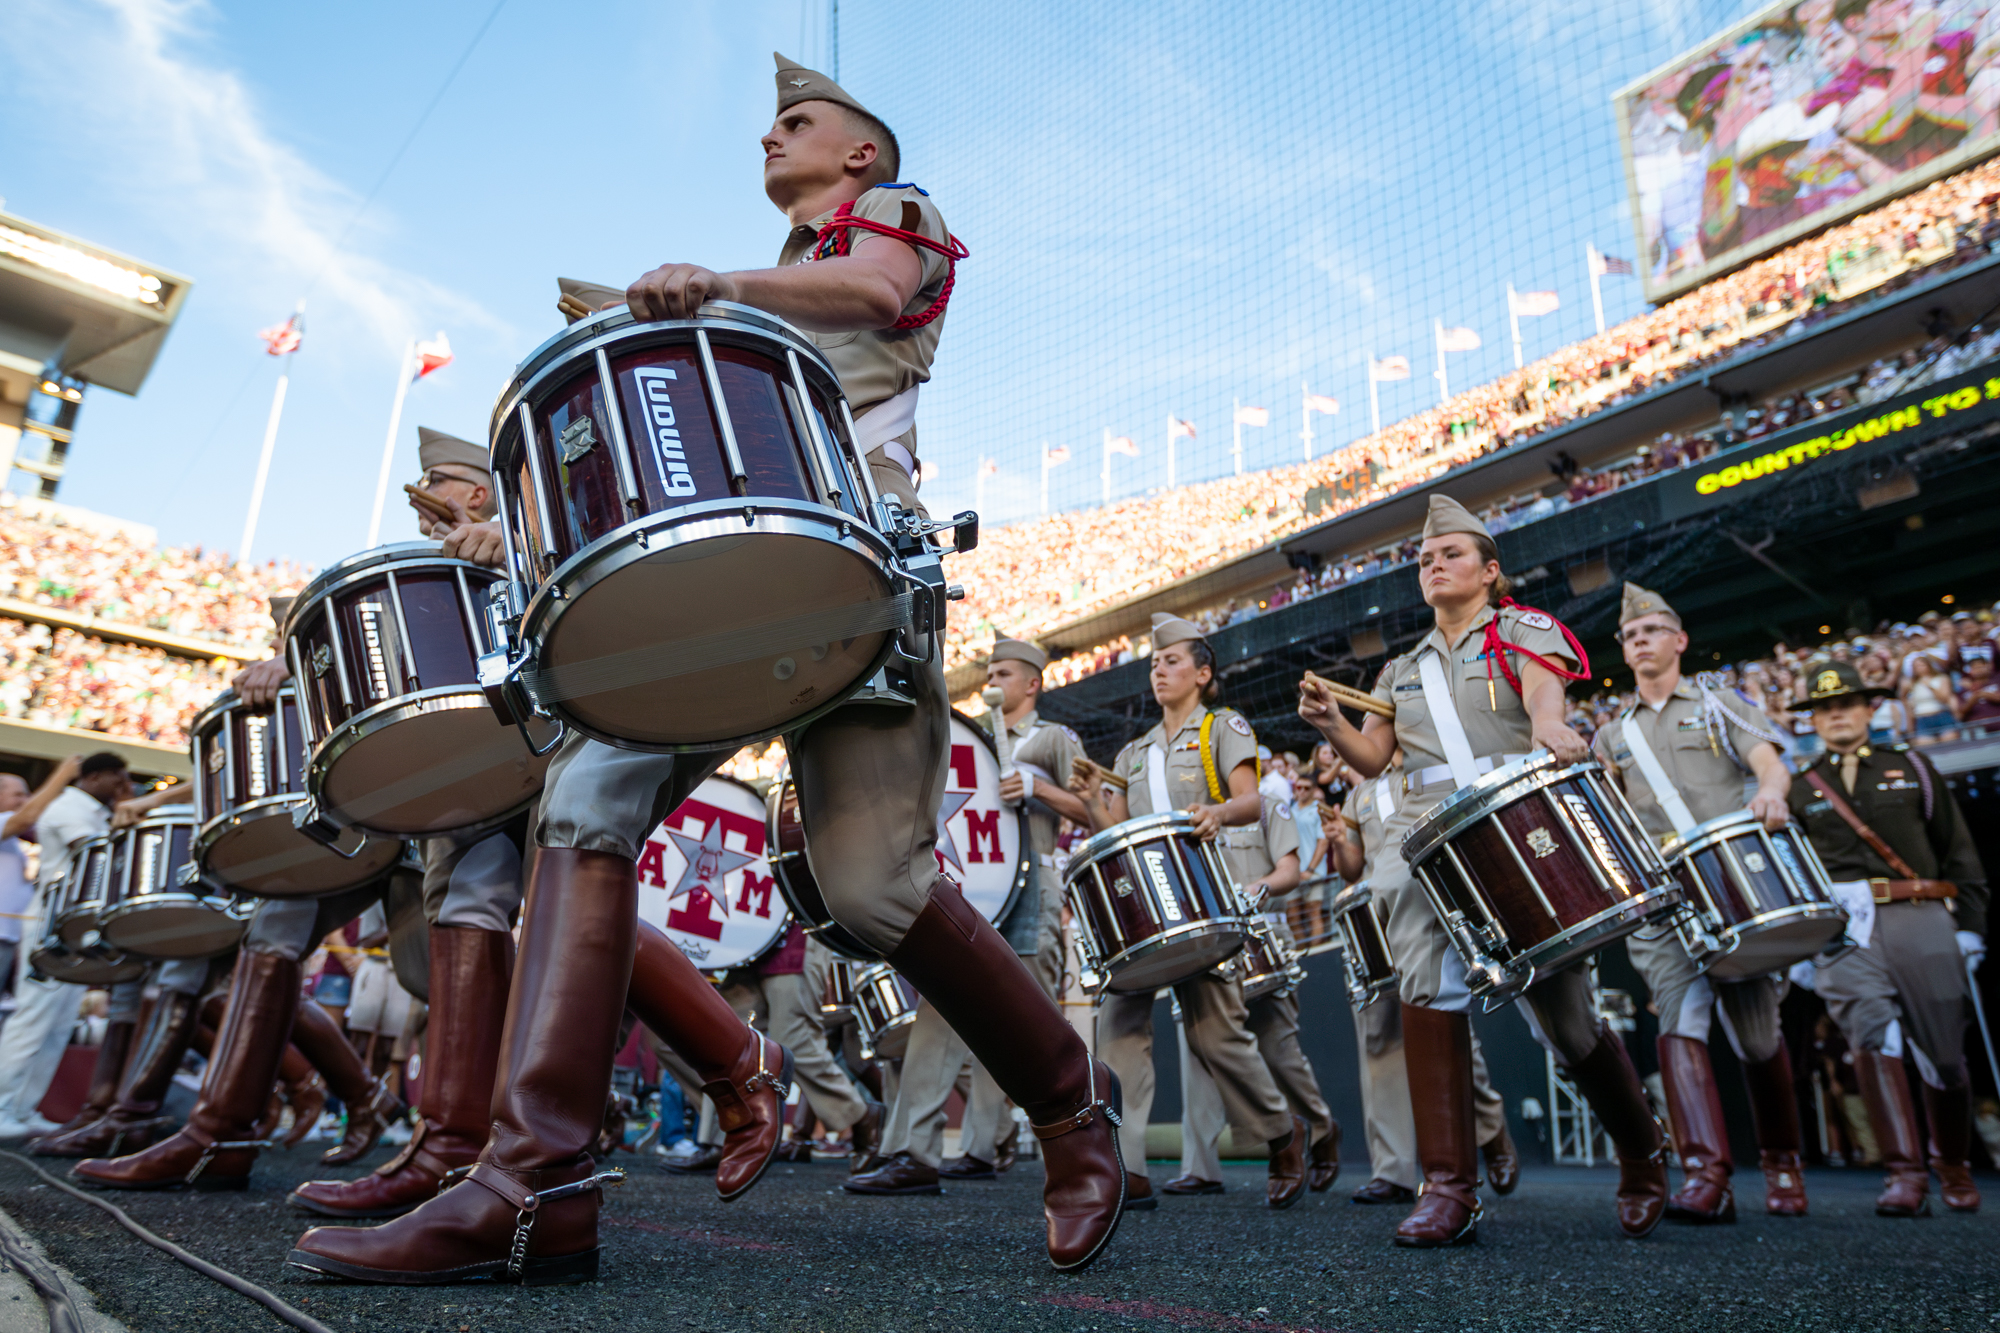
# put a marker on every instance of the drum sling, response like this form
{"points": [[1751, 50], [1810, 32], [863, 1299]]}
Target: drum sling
{"points": [[1662, 786]]}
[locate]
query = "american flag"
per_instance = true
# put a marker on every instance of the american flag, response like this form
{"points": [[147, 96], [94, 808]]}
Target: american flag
{"points": [[1610, 265], [1253, 416], [1059, 454], [1122, 444], [1322, 404], [283, 338], [1177, 428]]}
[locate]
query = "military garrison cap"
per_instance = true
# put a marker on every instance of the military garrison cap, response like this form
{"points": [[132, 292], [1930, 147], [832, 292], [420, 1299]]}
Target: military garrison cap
{"points": [[1448, 515], [1018, 650], [1644, 602], [1169, 630], [798, 84], [435, 448]]}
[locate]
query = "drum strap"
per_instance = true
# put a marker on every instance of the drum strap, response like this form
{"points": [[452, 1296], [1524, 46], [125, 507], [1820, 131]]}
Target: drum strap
{"points": [[881, 425], [1156, 780], [1657, 781], [1385, 797], [1444, 717]]}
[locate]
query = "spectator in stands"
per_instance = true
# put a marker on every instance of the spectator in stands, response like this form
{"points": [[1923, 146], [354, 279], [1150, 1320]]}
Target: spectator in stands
{"points": [[1932, 705], [17, 891], [1979, 696]]}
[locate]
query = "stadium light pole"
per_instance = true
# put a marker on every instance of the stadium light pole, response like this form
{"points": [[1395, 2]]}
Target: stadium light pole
{"points": [[270, 444], [405, 368]]}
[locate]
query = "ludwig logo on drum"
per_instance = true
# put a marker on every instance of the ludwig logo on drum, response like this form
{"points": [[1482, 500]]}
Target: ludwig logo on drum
{"points": [[656, 404]]}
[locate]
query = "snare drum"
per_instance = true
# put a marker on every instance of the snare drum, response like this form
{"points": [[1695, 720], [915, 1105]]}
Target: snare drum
{"points": [[836, 999], [250, 767], [383, 648], [1534, 867], [1757, 901], [1370, 968], [981, 843], [160, 911], [1153, 904], [71, 948], [705, 878], [686, 497], [885, 1009], [1267, 965]]}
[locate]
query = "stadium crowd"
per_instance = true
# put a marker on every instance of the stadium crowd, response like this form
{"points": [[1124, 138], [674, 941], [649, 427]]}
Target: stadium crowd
{"points": [[1031, 577]]}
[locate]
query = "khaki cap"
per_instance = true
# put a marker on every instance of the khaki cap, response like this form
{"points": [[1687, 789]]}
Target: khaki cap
{"points": [[1018, 650], [1448, 515], [435, 448], [798, 84], [1169, 630], [1644, 602], [578, 299]]}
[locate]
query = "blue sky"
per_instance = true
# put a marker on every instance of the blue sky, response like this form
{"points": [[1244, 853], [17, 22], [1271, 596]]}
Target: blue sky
{"points": [[1168, 205]]}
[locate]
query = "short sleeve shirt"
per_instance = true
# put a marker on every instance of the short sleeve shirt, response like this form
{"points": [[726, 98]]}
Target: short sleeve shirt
{"points": [[70, 819], [1254, 850], [1047, 751], [17, 892], [1694, 756], [1235, 744], [1496, 722]]}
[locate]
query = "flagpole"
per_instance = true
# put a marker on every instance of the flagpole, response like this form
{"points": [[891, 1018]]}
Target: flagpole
{"points": [[978, 489], [1170, 451], [1596, 293], [1306, 419], [1444, 385], [1045, 476], [1514, 322], [1236, 424], [1105, 474], [270, 444], [406, 368], [1374, 400]]}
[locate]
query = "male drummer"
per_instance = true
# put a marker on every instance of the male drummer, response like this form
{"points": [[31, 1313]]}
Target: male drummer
{"points": [[1903, 864], [1478, 692], [936, 1057], [1203, 760], [1264, 860], [1378, 1032], [1700, 742], [870, 781]]}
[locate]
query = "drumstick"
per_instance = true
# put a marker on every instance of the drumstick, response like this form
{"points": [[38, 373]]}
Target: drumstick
{"points": [[1352, 697], [1093, 772], [429, 503]]}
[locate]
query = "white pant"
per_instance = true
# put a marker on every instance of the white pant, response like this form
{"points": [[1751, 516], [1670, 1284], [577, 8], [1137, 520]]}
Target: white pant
{"points": [[32, 1042], [379, 1003]]}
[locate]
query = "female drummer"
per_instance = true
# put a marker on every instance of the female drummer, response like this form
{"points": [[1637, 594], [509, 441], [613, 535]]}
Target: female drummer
{"points": [[1203, 762], [1481, 690]]}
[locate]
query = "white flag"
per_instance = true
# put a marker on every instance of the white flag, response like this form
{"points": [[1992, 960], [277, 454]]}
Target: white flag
{"points": [[1536, 303], [1059, 454], [1120, 444], [1389, 368], [1458, 340], [1322, 404], [1176, 428], [1253, 416]]}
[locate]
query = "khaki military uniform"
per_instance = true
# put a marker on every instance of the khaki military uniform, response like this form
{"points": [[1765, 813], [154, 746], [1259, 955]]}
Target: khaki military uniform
{"points": [[1378, 1029], [870, 844], [937, 1060], [1706, 758], [1165, 773], [1908, 985], [1560, 1008], [1253, 851]]}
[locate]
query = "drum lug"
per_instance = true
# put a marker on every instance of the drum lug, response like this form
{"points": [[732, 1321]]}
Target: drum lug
{"points": [[500, 682], [308, 820]]}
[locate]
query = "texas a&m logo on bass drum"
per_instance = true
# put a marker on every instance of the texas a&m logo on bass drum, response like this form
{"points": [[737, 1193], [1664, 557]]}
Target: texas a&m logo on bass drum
{"points": [[705, 878], [979, 840]]}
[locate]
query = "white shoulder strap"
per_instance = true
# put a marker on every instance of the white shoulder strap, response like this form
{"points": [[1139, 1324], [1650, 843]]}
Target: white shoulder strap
{"points": [[1657, 781], [1156, 780], [1385, 795], [1443, 709]]}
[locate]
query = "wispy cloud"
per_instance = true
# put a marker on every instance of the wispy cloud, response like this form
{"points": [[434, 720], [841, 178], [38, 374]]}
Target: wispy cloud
{"points": [[199, 156]]}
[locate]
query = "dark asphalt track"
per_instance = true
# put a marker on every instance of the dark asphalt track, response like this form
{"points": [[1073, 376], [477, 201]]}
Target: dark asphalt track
{"points": [[799, 1253]]}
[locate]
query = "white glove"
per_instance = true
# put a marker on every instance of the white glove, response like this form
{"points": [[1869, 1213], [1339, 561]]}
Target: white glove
{"points": [[1803, 975], [1972, 947]]}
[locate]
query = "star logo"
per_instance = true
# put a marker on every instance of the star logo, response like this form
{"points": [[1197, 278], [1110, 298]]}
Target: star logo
{"points": [[954, 801], [800, 83], [708, 861]]}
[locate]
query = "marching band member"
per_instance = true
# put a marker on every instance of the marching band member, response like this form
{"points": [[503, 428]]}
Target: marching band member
{"points": [[1681, 752], [1378, 1033], [1202, 760], [1453, 722], [870, 782], [1904, 865]]}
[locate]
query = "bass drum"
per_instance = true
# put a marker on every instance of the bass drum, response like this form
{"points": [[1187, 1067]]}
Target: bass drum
{"points": [[250, 777], [705, 878], [981, 843]]}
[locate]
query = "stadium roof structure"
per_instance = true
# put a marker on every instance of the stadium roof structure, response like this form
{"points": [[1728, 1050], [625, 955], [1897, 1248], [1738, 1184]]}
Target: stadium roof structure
{"points": [[1822, 354], [78, 309]]}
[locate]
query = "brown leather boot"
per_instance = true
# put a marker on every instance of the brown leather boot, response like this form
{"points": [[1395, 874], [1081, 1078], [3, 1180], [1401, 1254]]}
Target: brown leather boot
{"points": [[1774, 1109], [105, 1074], [213, 1151], [1287, 1174], [1139, 1196], [470, 972], [1700, 1136], [1886, 1090], [1437, 1047], [527, 1210], [1324, 1168], [1608, 1082], [1503, 1161], [958, 962], [134, 1119], [864, 1138], [307, 1097], [1950, 1114], [746, 1074], [370, 1105]]}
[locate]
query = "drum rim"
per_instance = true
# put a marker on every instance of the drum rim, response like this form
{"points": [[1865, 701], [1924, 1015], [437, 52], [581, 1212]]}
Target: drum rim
{"points": [[254, 811], [1523, 967], [1152, 944], [1123, 836], [1831, 912], [377, 718], [350, 569], [1351, 898], [579, 342], [616, 550], [117, 963], [159, 817], [1709, 831], [1484, 795]]}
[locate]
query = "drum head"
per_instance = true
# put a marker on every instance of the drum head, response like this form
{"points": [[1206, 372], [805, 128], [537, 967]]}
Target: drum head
{"points": [[87, 969], [267, 856], [979, 839], [730, 599], [427, 767], [1171, 961], [705, 878], [173, 925], [1776, 942]]}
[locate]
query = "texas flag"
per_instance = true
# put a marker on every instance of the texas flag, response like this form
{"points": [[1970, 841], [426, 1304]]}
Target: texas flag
{"points": [[1253, 416], [433, 355]]}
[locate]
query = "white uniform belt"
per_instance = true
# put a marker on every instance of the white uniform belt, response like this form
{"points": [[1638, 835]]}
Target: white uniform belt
{"points": [[1423, 778]]}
